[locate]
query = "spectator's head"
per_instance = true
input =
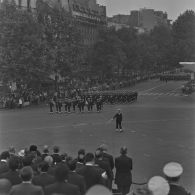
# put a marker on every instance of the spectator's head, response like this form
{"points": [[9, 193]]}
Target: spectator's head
{"points": [[43, 167], [14, 163], [46, 149], [5, 186], [72, 165], [61, 173], [98, 154], [104, 147], [49, 160], [173, 171], [81, 155], [123, 150], [5, 155], [26, 173], [89, 157], [33, 148], [27, 160], [158, 186], [56, 149]]}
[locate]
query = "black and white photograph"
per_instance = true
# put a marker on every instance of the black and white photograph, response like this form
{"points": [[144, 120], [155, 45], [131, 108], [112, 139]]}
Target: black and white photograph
{"points": [[97, 97]]}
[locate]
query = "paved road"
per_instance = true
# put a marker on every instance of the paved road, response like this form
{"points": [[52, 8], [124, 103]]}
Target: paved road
{"points": [[159, 127]]}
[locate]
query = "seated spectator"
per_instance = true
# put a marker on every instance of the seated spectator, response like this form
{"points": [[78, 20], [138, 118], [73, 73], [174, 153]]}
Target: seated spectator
{"points": [[26, 187], [49, 160], [13, 175], [45, 152], [56, 156], [43, 179], [91, 173], [80, 159], [4, 162], [173, 172], [5, 186], [75, 178], [61, 186]]}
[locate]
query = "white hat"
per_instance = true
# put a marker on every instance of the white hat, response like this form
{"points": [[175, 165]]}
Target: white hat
{"points": [[21, 153], [173, 169], [158, 186]]}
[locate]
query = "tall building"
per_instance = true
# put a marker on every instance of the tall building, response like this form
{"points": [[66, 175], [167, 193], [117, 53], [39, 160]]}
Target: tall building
{"points": [[148, 18]]}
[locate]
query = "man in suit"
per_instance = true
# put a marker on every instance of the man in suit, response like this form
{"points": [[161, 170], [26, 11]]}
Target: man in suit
{"points": [[173, 172], [26, 187], [44, 178], [123, 177], [56, 156], [75, 178], [61, 186], [3, 162], [93, 174], [13, 175], [119, 117], [105, 166]]}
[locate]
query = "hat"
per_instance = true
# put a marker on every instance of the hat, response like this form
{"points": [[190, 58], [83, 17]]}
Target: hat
{"points": [[158, 186], [173, 169], [21, 153]]}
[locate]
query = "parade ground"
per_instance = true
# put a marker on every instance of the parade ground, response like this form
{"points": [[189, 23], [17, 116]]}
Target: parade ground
{"points": [[158, 128]]}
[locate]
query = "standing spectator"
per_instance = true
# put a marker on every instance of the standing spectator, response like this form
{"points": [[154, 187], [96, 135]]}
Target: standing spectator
{"points": [[61, 186], [4, 162], [105, 166], [26, 187], [43, 179], [13, 175], [5, 186], [56, 156], [49, 160], [106, 156], [173, 171], [91, 173], [75, 178], [123, 177], [45, 152]]}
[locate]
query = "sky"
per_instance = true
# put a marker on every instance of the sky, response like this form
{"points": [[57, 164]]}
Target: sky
{"points": [[173, 7]]}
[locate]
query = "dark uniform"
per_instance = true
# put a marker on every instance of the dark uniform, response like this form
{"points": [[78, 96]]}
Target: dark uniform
{"points": [[119, 119], [51, 104]]}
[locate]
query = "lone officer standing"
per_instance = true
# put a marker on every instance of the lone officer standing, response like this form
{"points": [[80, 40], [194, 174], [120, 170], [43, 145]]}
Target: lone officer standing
{"points": [[119, 117]]}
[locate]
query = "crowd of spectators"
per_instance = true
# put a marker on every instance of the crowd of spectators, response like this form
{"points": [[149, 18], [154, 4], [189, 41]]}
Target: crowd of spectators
{"points": [[50, 172]]}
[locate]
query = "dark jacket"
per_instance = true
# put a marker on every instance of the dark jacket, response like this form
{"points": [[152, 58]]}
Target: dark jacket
{"points": [[109, 158], [92, 175], [62, 188], [12, 176], [3, 167], [78, 180], [177, 190], [27, 189], [118, 116], [43, 180], [123, 166]]}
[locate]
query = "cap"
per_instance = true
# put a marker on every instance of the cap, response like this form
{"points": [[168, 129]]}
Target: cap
{"points": [[173, 169], [158, 186]]}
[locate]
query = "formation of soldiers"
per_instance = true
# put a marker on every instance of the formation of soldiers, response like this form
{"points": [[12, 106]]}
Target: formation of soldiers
{"points": [[90, 101], [175, 77]]}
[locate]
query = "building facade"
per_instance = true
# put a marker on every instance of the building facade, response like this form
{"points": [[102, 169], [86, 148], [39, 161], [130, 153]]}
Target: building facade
{"points": [[148, 18]]}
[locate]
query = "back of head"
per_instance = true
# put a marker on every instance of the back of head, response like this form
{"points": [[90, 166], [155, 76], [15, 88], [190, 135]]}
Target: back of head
{"points": [[49, 160], [98, 154], [33, 148], [56, 149], [5, 155], [14, 163], [61, 173], [123, 150], [104, 147], [72, 164], [5, 186], [26, 173], [89, 157], [44, 166]]}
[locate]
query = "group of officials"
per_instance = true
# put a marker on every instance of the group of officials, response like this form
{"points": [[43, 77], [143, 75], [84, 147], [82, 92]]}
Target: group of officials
{"points": [[79, 102]]}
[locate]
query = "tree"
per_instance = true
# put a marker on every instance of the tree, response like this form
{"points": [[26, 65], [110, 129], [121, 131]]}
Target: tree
{"points": [[183, 33]]}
